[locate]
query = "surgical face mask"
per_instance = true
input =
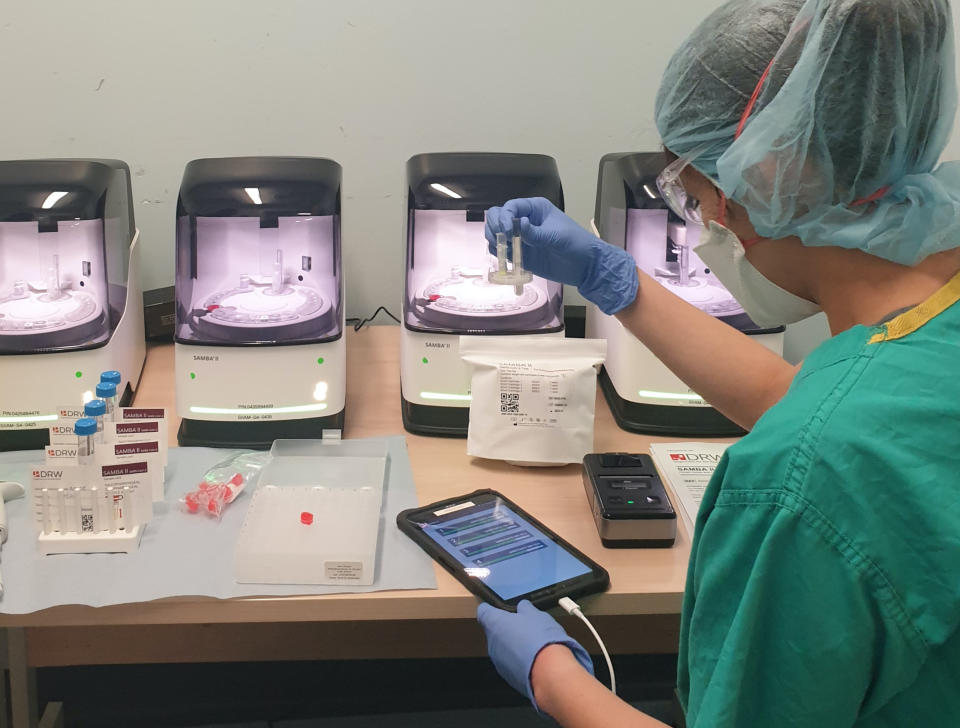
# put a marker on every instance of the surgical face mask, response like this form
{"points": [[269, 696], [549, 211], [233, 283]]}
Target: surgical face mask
{"points": [[763, 300]]}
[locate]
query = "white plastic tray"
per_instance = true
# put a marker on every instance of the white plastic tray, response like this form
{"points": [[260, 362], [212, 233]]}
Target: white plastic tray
{"points": [[340, 485]]}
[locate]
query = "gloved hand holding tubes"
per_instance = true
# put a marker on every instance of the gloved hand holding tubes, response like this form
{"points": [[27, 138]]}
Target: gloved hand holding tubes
{"points": [[556, 248]]}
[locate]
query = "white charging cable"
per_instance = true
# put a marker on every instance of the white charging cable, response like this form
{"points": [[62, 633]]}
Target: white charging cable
{"points": [[571, 607]]}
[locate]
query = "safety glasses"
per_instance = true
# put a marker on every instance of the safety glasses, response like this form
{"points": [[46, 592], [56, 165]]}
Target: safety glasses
{"points": [[673, 191]]}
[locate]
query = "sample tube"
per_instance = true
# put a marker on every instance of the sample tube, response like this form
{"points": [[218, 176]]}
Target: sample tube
{"points": [[678, 235], [130, 514], [112, 508], [95, 409], [61, 510], [53, 280], [517, 255], [107, 391], [71, 509], [502, 252], [119, 508], [85, 501], [45, 507], [276, 282], [513, 275], [86, 431], [96, 507]]}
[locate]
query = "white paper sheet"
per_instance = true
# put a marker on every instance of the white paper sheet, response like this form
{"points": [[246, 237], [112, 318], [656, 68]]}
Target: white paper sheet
{"points": [[687, 468], [184, 554]]}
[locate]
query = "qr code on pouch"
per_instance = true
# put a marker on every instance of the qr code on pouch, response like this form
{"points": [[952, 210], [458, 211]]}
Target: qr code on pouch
{"points": [[86, 522], [509, 403]]}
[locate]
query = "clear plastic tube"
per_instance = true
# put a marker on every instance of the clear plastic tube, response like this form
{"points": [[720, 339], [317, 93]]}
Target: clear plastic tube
{"points": [[85, 501], [85, 448], [517, 256], [62, 525], [115, 504], [96, 508], [514, 275], [276, 281], [105, 508], [45, 508], [502, 253], [71, 507], [129, 509], [53, 280]]}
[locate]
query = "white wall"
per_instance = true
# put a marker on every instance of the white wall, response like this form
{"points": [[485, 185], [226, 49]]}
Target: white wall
{"points": [[368, 83]]}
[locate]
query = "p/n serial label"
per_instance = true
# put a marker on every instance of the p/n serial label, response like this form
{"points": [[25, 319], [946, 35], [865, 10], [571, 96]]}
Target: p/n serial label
{"points": [[343, 570], [534, 396]]}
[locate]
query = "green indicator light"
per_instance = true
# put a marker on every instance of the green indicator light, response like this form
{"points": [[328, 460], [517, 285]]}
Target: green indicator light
{"points": [[630, 502], [424, 360], [78, 374], [193, 375], [320, 360]]}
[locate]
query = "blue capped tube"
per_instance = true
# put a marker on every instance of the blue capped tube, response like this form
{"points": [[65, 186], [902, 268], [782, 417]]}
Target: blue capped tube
{"points": [[107, 391], [96, 409], [86, 431]]}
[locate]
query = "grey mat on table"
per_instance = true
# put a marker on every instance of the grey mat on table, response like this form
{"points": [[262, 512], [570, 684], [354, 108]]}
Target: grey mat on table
{"points": [[183, 554]]}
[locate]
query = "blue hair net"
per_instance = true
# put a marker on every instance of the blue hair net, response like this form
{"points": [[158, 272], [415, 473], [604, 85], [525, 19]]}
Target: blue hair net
{"points": [[841, 145]]}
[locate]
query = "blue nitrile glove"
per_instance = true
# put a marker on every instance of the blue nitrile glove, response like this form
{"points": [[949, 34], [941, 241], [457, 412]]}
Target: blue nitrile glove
{"points": [[515, 640], [556, 248]]}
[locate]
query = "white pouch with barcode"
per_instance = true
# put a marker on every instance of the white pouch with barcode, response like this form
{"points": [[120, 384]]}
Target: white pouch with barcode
{"points": [[532, 397]]}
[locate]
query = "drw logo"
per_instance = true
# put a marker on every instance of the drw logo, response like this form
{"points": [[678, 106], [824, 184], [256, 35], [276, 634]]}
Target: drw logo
{"points": [[677, 456]]}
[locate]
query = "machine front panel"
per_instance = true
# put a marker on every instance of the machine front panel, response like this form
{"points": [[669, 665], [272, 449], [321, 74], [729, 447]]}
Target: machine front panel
{"points": [[56, 380], [257, 384], [431, 370], [638, 375]]}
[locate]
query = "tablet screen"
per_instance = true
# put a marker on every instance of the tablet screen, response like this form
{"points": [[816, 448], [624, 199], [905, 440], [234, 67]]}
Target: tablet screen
{"points": [[507, 553]]}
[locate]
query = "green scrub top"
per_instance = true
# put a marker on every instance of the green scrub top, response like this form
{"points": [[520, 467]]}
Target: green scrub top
{"points": [[824, 580]]}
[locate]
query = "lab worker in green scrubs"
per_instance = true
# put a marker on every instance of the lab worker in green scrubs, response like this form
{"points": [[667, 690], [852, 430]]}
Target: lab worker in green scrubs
{"points": [[824, 581]]}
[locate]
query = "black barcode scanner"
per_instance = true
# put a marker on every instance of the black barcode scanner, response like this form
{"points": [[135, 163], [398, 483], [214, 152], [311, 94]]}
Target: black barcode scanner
{"points": [[630, 506]]}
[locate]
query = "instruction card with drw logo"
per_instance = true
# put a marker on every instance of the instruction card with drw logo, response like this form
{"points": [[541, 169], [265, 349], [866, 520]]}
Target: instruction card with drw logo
{"points": [[687, 467]]}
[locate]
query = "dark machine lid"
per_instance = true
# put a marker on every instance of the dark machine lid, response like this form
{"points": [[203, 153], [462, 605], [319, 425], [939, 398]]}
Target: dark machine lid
{"points": [[478, 180], [50, 190], [278, 187], [628, 181]]}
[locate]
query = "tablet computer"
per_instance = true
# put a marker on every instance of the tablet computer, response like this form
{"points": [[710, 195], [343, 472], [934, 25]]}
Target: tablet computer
{"points": [[501, 553]]}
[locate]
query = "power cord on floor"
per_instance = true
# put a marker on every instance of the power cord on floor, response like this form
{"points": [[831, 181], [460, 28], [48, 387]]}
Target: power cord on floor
{"points": [[571, 607], [359, 323]]}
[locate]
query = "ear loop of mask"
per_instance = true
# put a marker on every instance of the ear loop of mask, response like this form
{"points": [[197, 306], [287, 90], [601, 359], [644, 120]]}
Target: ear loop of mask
{"points": [[722, 220], [736, 135]]}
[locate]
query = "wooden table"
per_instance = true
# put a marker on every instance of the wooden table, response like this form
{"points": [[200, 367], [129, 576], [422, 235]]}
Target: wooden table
{"points": [[641, 608]]}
